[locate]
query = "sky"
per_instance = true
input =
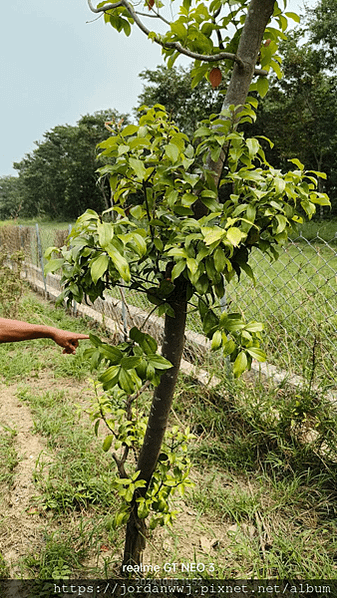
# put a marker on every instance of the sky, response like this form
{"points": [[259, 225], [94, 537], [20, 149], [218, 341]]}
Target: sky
{"points": [[56, 66]]}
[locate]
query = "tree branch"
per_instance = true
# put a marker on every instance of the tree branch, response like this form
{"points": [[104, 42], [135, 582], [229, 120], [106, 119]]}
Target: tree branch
{"points": [[155, 15], [103, 8], [175, 45]]}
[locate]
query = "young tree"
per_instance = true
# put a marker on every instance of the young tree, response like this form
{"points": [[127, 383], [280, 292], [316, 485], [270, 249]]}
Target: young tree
{"points": [[171, 238]]}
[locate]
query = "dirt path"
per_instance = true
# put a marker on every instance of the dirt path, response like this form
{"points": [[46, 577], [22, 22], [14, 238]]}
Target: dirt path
{"points": [[20, 527]]}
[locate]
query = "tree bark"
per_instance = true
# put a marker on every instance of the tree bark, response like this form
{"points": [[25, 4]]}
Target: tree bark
{"points": [[172, 349]]}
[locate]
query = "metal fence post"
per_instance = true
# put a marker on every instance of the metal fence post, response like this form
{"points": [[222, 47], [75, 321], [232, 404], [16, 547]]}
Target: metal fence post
{"points": [[223, 306], [74, 304], [39, 247], [124, 314]]}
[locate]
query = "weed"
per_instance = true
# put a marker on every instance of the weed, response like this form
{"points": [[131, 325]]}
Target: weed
{"points": [[58, 559], [80, 473], [4, 569], [8, 456]]}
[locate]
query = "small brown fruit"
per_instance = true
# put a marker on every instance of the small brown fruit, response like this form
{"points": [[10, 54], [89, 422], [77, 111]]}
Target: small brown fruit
{"points": [[215, 77]]}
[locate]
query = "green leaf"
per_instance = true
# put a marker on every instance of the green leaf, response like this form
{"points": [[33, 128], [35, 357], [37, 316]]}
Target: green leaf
{"points": [[95, 340], [178, 268], [297, 163], [136, 241], [98, 267], [159, 362], [211, 203], [293, 16], [179, 29], [253, 146], [220, 260], [254, 327], [213, 235], [112, 354], [282, 223], [240, 364], [232, 322], [136, 335], [172, 152], [192, 265], [120, 263], [107, 442], [148, 344], [138, 167], [126, 382], [262, 86], [256, 353], [202, 284], [280, 185], [53, 265], [111, 374], [130, 130], [235, 235], [216, 340], [129, 363], [229, 347], [105, 233], [210, 321]]}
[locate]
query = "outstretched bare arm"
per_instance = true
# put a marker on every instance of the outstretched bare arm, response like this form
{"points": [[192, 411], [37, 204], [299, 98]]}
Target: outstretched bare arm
{"points": [[15, 330]]}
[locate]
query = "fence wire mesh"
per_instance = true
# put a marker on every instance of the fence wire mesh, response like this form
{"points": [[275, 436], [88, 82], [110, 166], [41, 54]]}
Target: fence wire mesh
{"points": [[295, 297]]}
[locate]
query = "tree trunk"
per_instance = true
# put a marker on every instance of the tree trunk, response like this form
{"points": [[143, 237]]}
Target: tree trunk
{"points": [[172, 349], [259, 13]]}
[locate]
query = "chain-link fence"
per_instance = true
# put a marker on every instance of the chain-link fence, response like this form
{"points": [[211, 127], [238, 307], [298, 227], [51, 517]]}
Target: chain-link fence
{"points": [[295, 297]]}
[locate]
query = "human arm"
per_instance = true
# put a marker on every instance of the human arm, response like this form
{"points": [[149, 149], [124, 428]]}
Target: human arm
{"points": [[12, 331]]}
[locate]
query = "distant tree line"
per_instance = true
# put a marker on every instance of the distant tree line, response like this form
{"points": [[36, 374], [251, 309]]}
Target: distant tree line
{"points": [[58, 179]]}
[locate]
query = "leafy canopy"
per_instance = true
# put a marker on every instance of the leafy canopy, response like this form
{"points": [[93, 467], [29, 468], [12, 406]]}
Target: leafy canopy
{"points": [[154, 237]]}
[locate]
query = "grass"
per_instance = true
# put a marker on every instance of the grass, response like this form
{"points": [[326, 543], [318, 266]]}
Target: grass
{"points": [[295, 300], [325, 229], [73, 484], [22, 232], [72, 477], [267, 459], [80, 475]]}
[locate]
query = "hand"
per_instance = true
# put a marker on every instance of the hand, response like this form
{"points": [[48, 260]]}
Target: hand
{"points": [[68, 340]]}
